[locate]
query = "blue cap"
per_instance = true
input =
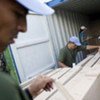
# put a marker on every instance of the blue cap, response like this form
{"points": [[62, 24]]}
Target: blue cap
{"points": [[75, 40], [36, 6]]}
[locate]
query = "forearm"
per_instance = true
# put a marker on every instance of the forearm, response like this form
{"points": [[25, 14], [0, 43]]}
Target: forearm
{"points": [[90, 47], [62, 65], [88, 38], [39, 84]]}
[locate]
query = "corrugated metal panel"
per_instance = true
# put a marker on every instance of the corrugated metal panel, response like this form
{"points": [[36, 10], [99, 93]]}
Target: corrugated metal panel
{"points": [[62, 25], [83, 6]]}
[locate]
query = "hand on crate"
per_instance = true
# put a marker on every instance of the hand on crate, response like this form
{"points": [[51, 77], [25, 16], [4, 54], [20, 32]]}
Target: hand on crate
{"points": [[41, 82]]}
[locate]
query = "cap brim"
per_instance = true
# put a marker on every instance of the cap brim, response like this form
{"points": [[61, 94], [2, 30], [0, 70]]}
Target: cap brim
{"points": [[78, 44], [36, 6]]}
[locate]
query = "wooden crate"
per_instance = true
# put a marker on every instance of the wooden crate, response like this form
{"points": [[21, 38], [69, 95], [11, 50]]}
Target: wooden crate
{"points": [[78, 83]]}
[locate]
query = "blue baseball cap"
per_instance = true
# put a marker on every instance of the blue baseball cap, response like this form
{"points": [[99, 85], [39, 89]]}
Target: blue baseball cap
{"points": [[75, 40], [36, 6]]}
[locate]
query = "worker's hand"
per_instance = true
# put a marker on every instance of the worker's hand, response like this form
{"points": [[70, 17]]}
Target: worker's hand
{"points": [[41, 82]]}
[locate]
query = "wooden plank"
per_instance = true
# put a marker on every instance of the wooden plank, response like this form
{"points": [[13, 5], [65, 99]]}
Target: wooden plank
{"points": [[62, 94], [95, 70], [63, 91], [66, 77], [54, 72], [80, 85], [92, 61], [86, 60], [61, 73], [26, 83], [56, 96]]}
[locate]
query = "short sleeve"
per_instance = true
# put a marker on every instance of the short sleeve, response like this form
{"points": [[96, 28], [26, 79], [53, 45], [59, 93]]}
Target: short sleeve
{"points": [[61, 56]]}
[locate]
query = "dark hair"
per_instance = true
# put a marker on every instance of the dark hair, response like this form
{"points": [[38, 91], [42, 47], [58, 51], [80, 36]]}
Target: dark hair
{"points": [[70, 42]]}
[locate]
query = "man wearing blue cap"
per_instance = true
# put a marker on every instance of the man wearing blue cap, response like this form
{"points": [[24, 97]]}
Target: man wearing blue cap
{"points": [[68, 54], [12, 21]]}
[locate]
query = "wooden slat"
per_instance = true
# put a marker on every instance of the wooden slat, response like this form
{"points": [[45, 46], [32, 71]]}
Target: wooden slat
{"points": [[92, 61], [54, 72], [63, 91], [86, 60], [95, 70], [26, 83]]}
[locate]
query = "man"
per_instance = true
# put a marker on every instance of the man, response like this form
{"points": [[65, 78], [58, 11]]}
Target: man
{"points": [[67, 54], [84, 39], [83, 36], [13, 20]]}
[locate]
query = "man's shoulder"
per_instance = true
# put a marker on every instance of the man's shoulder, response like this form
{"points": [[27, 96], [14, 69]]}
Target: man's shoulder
{"points": [[6, 80], [9, 89], [64, 50], [5, 77]]}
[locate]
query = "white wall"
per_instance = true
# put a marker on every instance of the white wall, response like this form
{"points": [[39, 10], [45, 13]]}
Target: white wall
{"points": [[33, 51]]}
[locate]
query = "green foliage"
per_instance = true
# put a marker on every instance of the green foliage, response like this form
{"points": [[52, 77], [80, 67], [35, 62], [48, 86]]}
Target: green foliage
{"points": [[10, 64]]}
